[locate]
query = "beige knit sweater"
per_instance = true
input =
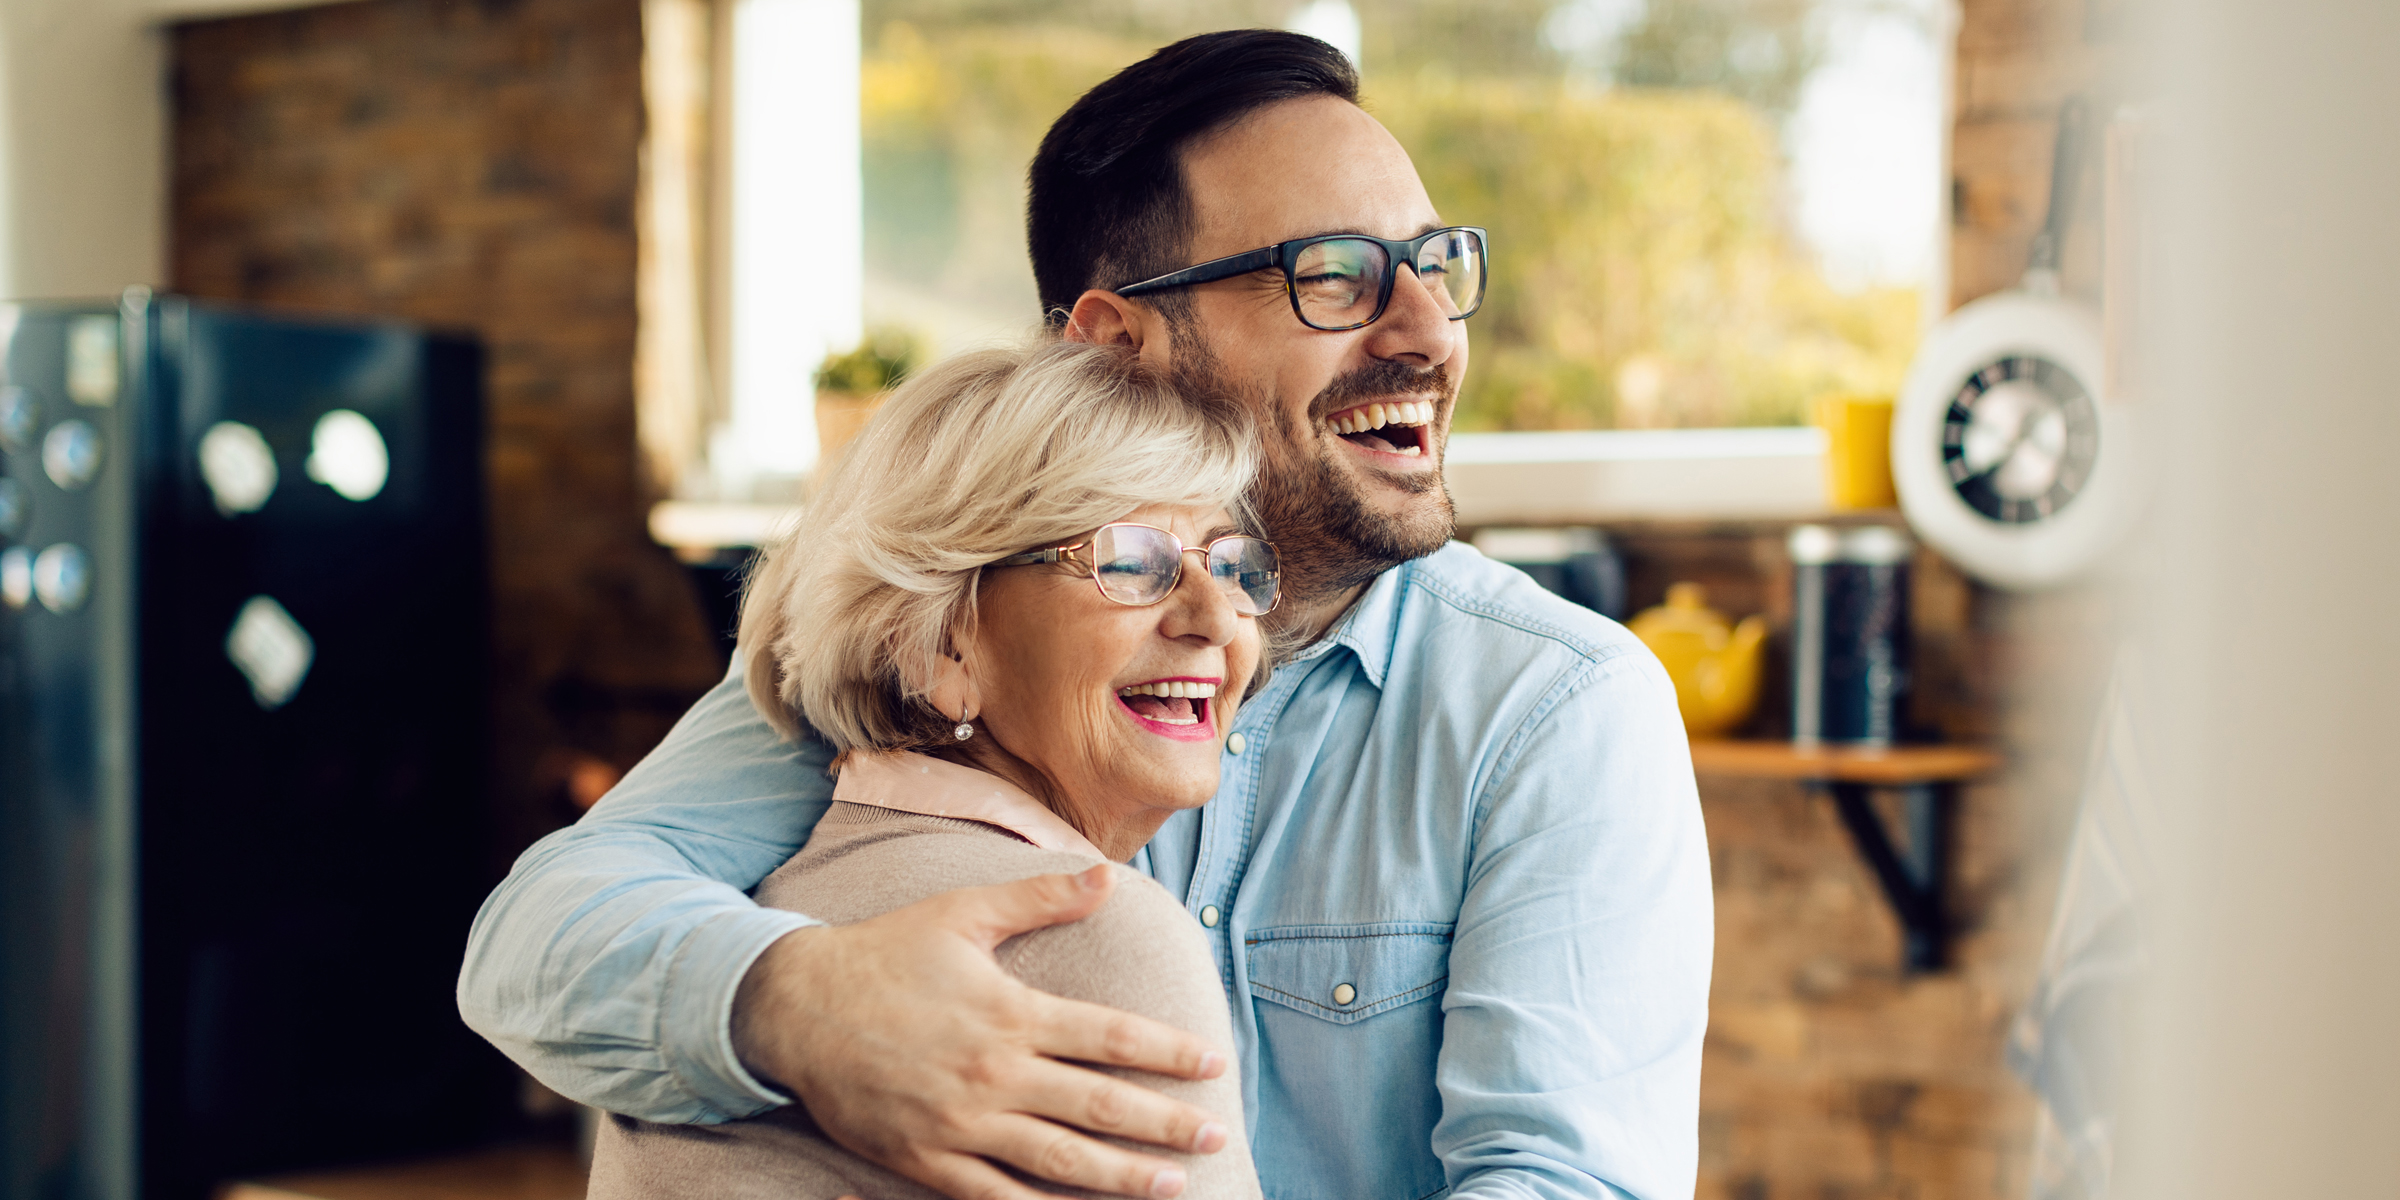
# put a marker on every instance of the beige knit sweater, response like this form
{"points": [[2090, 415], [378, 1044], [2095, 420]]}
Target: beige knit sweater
{"points": [[1140, 953]]}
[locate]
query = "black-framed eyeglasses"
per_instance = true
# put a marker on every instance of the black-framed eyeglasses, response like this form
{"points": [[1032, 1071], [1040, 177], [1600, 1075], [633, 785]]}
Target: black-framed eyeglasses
{"points": [[1344, 281], [1139, 565]]}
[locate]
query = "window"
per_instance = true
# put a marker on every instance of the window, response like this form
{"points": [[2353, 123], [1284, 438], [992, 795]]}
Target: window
{"points": [[751, 246], [1704, 212]]}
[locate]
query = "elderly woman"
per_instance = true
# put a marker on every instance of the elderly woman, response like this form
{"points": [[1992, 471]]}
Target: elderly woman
{"points": [[1022, 609]]}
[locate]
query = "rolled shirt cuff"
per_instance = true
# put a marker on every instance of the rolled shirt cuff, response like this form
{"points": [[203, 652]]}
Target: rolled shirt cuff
{"points": [[696, 1020]]}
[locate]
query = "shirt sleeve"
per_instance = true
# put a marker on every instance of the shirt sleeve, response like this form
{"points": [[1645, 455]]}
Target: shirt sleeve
{"points": [[1578, 994], [606, 963]]}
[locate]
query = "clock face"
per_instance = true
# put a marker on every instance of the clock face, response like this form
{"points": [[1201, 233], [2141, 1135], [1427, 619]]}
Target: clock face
{"points": [[2019, 439]]}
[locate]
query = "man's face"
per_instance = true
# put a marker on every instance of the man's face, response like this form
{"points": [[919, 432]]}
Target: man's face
{"points": [[1342, 506]]}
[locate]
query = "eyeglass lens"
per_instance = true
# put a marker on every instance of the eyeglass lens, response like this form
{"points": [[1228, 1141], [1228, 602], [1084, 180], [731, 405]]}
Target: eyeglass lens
{"points": [[1246, 569], [1339, 280], [1138, 565]]}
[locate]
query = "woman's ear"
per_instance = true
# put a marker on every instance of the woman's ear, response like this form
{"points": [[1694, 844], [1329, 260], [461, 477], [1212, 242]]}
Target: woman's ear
{"points": [[952, 689]]}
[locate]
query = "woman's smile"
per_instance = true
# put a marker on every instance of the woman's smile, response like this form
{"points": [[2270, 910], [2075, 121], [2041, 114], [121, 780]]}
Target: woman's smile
{"points": [[1180, 707]]}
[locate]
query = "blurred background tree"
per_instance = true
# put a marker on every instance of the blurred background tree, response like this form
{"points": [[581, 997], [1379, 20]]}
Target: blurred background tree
{"points": [[1627, 156], [1760, 52]]}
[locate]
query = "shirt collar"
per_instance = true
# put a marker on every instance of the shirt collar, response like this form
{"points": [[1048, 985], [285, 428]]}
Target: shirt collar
{"points": [[930, 787], [1370, 627]]}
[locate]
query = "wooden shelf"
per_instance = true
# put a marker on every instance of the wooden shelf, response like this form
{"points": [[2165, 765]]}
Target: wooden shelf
{"points": [[1893, 766], [1912, 863]]}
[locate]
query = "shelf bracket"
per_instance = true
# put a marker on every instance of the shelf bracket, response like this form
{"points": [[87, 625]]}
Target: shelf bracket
{"points": [[1913, 869]]}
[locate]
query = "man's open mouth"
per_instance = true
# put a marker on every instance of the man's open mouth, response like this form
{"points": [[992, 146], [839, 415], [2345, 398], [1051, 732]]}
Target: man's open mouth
{"points": [[1402, 427], [1178, 704]]}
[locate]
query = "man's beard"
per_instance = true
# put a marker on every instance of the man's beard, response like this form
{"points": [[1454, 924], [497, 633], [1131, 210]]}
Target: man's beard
{"points": [[1328, 536]]}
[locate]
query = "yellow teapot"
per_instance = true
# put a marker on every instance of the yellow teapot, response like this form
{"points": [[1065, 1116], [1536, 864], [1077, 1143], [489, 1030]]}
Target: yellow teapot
{"points": [[1713, 661]]}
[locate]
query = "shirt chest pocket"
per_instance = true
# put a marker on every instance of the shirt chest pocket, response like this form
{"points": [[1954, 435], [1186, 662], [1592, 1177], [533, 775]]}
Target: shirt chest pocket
{"points": [[1348, 973], [1349, 1021]]}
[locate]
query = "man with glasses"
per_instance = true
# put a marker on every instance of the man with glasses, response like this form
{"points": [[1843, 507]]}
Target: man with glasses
{"points": [[1455, 878]]}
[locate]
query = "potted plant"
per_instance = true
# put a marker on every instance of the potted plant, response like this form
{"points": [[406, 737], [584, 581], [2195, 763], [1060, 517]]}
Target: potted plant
{"points": [[851, 383]]}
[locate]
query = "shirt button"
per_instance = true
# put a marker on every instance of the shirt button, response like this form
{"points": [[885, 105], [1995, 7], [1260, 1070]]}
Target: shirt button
{"points": [[1343, 994], [1236, 744], [1208, 915]]}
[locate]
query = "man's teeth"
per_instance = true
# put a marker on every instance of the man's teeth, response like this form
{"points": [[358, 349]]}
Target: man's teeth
{"points": [[1376, 416], [1172, 688]]}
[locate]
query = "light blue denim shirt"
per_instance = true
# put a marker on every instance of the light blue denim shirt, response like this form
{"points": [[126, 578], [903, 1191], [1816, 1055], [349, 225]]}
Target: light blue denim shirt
{"points": [[1455, 879]]}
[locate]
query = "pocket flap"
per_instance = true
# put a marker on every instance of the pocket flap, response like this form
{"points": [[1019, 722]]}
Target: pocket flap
{"points": [[1347, 973]]}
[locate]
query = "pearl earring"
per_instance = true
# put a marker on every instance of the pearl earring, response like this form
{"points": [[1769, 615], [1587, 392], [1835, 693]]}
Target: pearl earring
{"points": [[964, 731]]}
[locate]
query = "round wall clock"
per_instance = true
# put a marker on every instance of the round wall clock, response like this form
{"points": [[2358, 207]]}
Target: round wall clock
{"points": [[2007, 455]]}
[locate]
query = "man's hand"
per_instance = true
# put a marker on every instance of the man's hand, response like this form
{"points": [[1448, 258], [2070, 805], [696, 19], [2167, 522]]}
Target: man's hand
{"points": [[911, 1047]]}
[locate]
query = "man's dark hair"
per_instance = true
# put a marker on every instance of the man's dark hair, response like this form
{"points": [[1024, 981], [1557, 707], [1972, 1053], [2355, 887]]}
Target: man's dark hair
{"points": [[1108, 205]]}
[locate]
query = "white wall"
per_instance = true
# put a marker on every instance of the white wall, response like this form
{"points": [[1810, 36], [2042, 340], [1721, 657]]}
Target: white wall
{"points": [[2269, 1049], [83, 152]]}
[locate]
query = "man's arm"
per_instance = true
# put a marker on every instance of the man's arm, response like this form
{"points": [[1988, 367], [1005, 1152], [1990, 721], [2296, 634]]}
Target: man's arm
{"points": [[1578, 994], [623, 963], [606, 963]]}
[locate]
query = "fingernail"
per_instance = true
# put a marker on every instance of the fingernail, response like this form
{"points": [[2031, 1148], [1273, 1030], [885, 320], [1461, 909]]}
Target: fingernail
{"points": [[1210, 1139], [1212, 1064], [1094, 879], [1168, 1183]]}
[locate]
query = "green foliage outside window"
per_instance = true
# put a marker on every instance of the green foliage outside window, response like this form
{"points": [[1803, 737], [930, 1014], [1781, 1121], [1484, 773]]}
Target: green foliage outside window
{"points": [[1644, 274]]}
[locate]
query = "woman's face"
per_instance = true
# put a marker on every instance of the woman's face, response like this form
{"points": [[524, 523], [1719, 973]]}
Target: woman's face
{"points": [[1068, 678]]}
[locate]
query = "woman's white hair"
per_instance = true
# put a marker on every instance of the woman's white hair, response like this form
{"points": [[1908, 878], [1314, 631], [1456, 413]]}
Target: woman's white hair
{"points": [[979, 457]]}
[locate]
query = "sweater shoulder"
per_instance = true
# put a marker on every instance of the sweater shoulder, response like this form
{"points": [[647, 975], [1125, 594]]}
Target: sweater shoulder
{"points": [[862, 862], [1140, 952]]}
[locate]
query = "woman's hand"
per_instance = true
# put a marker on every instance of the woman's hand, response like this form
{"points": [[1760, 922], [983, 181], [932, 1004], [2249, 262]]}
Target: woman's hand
{"points": [[911, 1047]]}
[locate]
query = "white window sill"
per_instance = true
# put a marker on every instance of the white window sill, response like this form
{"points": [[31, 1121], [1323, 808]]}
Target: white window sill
{"points": [[1499, 479], [1637, 474], [697, 529]]}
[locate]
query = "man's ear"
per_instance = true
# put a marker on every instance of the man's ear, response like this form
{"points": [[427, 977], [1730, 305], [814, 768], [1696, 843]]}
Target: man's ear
{"points": [[1108, 319]]}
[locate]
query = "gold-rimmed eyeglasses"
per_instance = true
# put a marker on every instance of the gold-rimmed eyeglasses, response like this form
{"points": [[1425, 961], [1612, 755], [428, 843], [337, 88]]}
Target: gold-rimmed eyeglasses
{"points": [[1140, 565]]}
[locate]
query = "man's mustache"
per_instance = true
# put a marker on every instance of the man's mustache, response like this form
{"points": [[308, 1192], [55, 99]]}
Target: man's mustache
{"points": [[1382, 381]]}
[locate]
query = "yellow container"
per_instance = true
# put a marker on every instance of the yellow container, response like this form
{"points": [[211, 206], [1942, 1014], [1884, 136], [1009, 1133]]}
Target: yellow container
{"points": [[1714, 662], [1858, 450]]}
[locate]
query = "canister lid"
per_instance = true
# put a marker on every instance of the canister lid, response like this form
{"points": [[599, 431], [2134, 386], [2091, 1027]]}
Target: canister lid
{"points": [[1877, 544], [1812, 544], [1539, 545]]}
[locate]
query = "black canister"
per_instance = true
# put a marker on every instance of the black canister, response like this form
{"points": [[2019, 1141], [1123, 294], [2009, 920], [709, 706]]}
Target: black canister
{"points": [[1850, 660], [1575, 562]]}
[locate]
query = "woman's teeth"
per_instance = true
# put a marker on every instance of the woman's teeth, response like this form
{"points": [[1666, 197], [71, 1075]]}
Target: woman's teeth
{"points": [[1168, 702], [1368, 418], [1186, 688]]}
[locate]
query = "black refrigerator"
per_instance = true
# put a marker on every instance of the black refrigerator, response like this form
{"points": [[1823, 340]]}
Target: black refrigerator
{"points": [[243, 645]]}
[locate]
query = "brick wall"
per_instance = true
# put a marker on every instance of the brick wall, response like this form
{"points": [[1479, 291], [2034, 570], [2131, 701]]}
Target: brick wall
{"points": [[2017, 59], [1829, 1073], [474, 165]]}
